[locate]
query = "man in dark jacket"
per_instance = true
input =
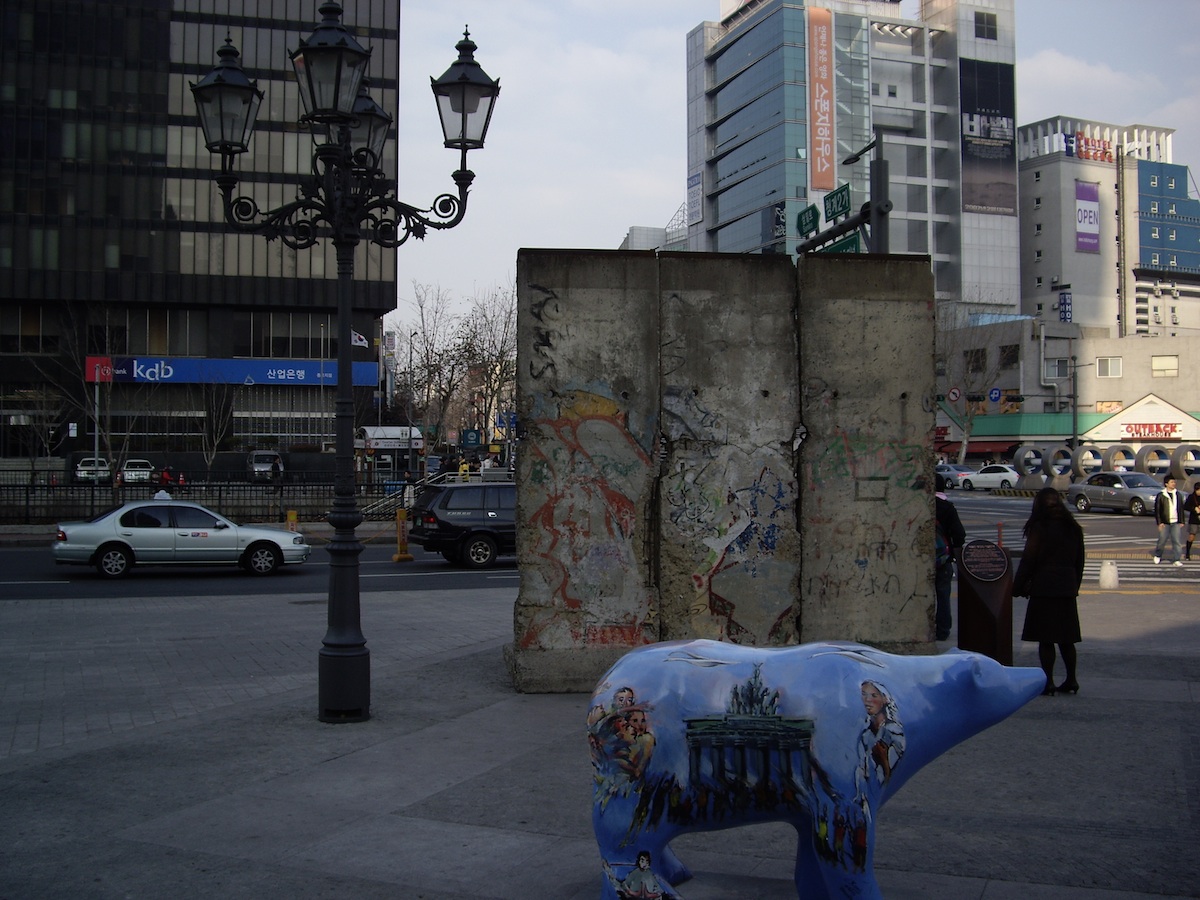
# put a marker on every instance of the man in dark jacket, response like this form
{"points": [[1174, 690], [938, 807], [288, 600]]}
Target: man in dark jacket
{"points": [[1168, 512], [950, 537]]}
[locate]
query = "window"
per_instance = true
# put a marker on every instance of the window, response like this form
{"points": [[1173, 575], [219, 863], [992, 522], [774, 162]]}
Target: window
{"points": [[1170, 184], [891, 90], [1172, 261], [1037, 255], [1171, 234], [975, 361], [1154, 259], [1037, 229], [1170, 209], [1154, 207], [467, 498], [1037, 176], [1039, 284], [1037, 202], [1010, 356], [939, 367], [1164, 366], [1153, 181], [1058, 368], [985, 26], [874, 88], [1154, 231], [1108, 367], [190, 517]]}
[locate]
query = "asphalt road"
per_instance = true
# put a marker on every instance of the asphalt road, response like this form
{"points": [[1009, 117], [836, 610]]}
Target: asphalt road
{"points": [[29, 573]]}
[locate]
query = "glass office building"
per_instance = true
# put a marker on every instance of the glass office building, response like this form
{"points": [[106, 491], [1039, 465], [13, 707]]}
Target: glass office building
{"points": [[115, 260], [781, 93]]}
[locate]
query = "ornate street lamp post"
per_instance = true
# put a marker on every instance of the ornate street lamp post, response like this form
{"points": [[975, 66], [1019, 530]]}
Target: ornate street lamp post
{"points": [[346, 194]]}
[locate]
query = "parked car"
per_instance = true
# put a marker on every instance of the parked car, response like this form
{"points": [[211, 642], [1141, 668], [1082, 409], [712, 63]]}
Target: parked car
{"points": [[990, 477], [91, 468], [168, 532], [260, 462], [954, 474], [469, 524], [1134, 492], [137, 470]]}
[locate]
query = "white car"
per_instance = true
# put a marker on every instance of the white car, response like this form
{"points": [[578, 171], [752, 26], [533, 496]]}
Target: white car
{"points": [[91, 469], [137, 470], [991, 477], [954, 474], [169, 532]]}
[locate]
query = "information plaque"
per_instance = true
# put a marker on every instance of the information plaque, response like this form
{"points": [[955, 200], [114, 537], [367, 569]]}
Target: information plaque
{"points": [[984, 560]]}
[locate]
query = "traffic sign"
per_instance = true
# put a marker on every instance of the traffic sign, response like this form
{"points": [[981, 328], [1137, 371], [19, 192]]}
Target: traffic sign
{"points": [[954, 394], [837, 203], [849, 244], [809, 220], [994, 395]]}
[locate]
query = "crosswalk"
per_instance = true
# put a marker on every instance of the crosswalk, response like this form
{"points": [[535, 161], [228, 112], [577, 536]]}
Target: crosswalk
{"points": [[1146, 570]]}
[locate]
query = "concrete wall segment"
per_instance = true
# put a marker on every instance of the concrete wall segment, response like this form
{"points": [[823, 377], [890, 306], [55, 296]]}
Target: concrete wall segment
{"points": [[665, 486], [587, 401], [729, 554], [867, 400]]}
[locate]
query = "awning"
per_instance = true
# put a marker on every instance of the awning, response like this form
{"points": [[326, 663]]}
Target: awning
{"points": [[984, 447]]}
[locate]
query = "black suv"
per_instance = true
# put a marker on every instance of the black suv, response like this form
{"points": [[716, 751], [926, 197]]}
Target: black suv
{"points": [[469, 524]]}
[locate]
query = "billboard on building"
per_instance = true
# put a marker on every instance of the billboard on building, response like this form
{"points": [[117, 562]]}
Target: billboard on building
{"points": [[987, 97], [192, 370], [822, 165], [1087, 217]]}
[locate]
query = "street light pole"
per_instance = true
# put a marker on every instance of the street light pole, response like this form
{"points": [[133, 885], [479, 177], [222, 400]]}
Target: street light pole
{"points": [[346, 193]]}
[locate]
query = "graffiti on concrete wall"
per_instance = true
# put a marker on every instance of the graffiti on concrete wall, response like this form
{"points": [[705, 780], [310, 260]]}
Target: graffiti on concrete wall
{"points": [[857, 556]]}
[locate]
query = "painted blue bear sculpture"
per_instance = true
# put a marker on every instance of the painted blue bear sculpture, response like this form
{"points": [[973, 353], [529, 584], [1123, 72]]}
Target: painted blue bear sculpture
{"points": [[698, 735]]}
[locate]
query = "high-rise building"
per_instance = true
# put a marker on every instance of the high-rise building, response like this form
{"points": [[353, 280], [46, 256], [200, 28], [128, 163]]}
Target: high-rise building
{"points": [[1110, 237], [781, 93], [115, 259]]}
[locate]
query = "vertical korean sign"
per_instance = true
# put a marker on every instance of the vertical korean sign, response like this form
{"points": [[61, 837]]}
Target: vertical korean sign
{"points": [[987, 92], [820, 99], [1087, 217]]}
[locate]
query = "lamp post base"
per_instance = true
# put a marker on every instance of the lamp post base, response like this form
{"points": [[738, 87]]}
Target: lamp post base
{"points": [[344, 686]]}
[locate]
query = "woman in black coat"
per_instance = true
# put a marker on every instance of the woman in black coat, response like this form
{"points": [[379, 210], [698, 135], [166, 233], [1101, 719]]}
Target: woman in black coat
{"points": [[1050, 573]]}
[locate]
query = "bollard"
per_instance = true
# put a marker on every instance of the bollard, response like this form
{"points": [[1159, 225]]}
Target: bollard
{"points": [[1109, 577], [402, 554]]}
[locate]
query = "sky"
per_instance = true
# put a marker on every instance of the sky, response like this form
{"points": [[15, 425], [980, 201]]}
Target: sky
{"points": [[588, 134]]}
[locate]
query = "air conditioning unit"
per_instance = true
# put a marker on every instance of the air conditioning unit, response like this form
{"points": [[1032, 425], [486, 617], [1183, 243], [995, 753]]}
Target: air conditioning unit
{"points": [[1157, 319], [1054, 279], [1174, 320], [1175, 293], [1157, 291]]}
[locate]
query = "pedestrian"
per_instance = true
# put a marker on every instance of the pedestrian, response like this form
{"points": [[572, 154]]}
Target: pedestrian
{"points": [[1192, 507], [1168, 513], [1050, 573], [949, 537]]}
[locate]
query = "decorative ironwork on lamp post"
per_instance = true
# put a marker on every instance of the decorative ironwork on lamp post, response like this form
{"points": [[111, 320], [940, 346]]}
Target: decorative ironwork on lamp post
{"points": [[347, 197]]}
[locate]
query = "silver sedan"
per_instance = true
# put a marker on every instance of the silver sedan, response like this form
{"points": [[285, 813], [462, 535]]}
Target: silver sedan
{"points": [[169, 532], [1132, 492]]}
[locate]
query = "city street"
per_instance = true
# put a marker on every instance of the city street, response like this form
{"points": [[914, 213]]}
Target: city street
{"points": [[160, 738]]}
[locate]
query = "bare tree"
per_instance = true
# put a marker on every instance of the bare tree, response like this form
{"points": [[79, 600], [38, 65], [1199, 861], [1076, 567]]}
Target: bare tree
{"points": [[968, 360], [491, 333], [441, 359]]}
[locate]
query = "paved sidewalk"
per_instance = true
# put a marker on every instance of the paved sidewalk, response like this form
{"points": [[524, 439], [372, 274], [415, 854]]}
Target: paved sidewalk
{"points": [[170, 748]]}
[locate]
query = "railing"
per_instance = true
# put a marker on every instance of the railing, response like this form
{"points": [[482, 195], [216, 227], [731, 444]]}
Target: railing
{"points": [[46, 503]]}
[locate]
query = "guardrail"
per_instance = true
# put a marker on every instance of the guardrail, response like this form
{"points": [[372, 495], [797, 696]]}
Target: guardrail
{"points": [[47, 503]]}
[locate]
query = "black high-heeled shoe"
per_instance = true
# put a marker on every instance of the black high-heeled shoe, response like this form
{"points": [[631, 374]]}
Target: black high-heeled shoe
{"points": [[1048, 691], [1068, 687]]}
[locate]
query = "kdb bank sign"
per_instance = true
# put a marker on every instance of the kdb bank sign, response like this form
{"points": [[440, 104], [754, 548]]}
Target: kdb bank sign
{"points": [[189, 370]]}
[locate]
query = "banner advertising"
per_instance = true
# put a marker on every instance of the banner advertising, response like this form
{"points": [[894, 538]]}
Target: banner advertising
{"points": [[1087, 217], [989, 137], [822, 164], [191, 370]]}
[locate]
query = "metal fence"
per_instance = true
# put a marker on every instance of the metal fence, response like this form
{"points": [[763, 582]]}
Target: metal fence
{"points": [[45, 503]]}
